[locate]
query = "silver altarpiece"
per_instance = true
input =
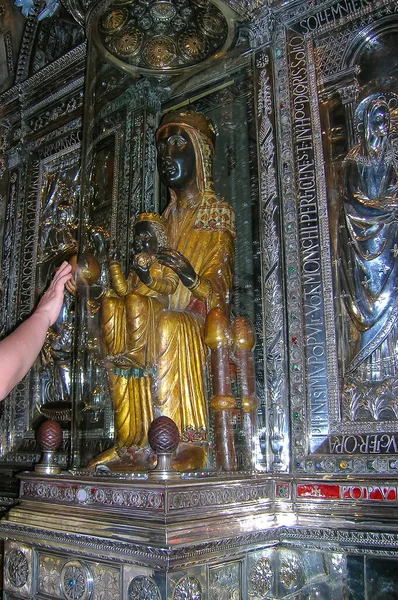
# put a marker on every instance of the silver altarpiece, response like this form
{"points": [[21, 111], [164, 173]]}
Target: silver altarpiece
{"points": [[304, 99]]}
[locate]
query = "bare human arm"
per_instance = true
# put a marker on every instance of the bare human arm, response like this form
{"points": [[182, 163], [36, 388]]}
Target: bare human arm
{"points": [[19, 350]]}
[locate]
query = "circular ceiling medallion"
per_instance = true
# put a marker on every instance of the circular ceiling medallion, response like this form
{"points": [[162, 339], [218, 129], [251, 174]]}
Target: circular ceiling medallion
{"points": [[113, 20], [164, 11], [211, 24], [160, 36], [127, 42], [192, 45], [160, 52]]}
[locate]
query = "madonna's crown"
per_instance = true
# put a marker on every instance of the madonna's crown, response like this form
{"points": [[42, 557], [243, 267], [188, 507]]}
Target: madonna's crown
{"points": [[193, 119], [153, 217]]}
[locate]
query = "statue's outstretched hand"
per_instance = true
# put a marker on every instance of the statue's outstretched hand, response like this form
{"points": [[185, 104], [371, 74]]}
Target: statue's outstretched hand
{"points": [[179, 264]]}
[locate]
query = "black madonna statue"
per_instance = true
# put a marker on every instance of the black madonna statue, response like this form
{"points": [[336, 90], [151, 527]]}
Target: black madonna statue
{"points": [[369, 248], [153, 321]]}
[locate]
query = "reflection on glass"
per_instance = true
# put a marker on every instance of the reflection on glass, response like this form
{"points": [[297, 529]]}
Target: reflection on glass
{"points": [[165, 263]]}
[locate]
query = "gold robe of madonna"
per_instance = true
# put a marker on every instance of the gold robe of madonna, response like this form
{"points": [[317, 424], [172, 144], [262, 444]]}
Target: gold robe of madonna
{"points": [[154, 338], [128, 322], [204, 234]]}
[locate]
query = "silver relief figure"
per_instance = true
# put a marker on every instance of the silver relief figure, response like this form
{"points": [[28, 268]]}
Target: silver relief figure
{"points": [[369, 251], [57, 242]]}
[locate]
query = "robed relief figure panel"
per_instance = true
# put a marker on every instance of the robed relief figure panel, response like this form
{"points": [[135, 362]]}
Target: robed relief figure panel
{"points": [[153, 319], [368, 257], [57, 242]]}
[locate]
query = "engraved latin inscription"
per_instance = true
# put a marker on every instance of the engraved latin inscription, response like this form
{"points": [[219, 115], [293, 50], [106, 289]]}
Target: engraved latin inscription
{"points": [[373, 443], [331, 14], [309, 237]]}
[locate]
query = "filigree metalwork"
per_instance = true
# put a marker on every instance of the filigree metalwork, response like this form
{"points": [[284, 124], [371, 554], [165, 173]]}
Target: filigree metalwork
{"points": [[328, 342], [143, 588], [225, 582], [369, 358], [106, 582], [188, 588], [366, 400], [26, 48], [150, 163], [261, 28], [218, 496], [272, 292], [106, 496], [46, 540], [317, 25], [76, 581], [73, 59], [127, 43], [334, 49], [351, 541], [17, 568], [49, 574], [21, 226], [289, 571], [290, 235], [62, 108], [160, 52], [8, 246], [58, 237], [261, 577]]}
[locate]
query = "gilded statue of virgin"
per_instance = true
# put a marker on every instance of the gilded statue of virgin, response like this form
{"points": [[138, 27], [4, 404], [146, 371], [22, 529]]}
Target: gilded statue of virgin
{"points": [[153, 321]]}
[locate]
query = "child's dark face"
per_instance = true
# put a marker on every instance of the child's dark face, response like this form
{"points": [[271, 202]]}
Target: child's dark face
{"points": [[145, 239]]}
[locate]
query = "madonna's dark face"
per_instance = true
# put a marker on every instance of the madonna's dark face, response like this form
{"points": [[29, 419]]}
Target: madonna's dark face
{"points": [[176, 157]]}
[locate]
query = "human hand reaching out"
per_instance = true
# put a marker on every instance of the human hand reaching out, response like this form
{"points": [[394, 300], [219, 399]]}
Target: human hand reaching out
{"points": [[19, 350], [70, 284], [51, 302]]}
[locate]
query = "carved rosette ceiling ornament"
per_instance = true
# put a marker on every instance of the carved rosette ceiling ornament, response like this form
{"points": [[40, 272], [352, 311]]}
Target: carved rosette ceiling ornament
{"points": [[160, 36]]}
